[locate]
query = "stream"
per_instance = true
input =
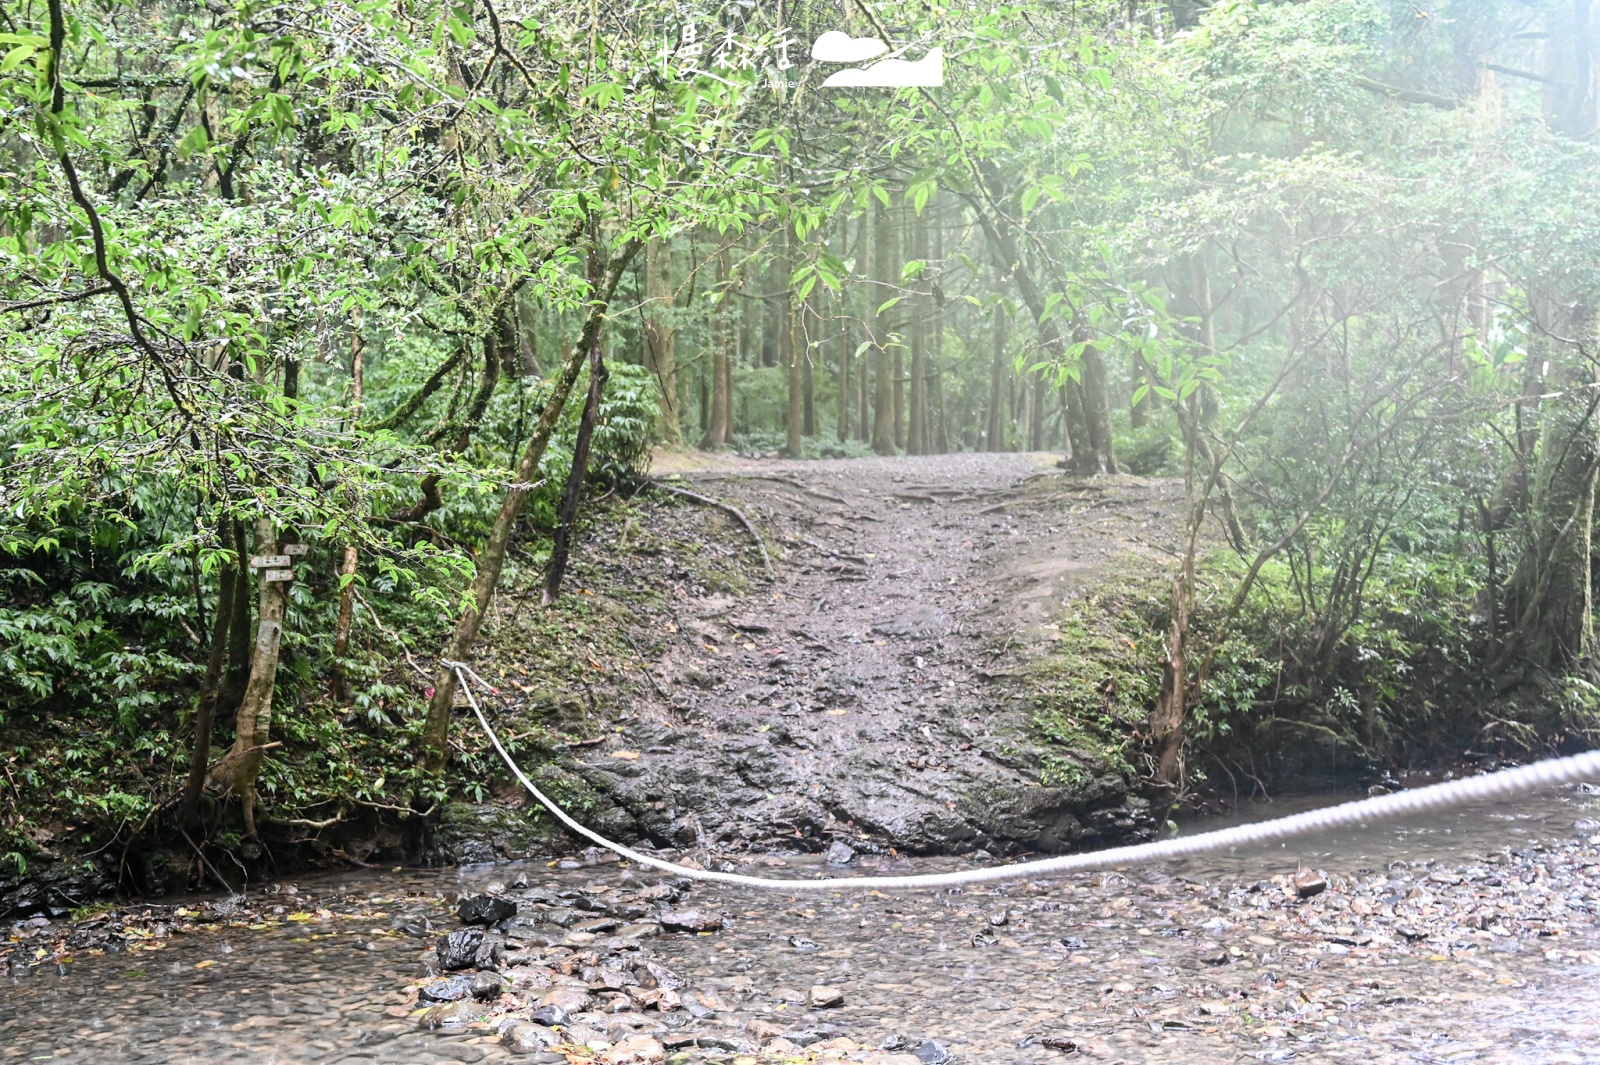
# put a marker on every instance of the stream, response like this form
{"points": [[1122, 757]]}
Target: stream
{"points": [[1468, 935]]}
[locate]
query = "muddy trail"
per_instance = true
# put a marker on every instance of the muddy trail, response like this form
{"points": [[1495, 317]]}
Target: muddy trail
{"points": [[867, 694]]}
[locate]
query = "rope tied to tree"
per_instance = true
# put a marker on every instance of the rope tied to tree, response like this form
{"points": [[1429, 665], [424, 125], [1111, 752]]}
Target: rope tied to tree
{"points": [[1497, 785]]}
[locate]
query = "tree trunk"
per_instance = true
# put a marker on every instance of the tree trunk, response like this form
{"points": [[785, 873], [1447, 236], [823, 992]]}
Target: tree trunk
{"points": [[436, 728], [661, 336], [238, 671], [842, 429], [789, 351], [717, 429], [886, 271], [1167, 720], [253, 728], [206, 713], [572, 495], [1102, 456], [347, 571], [1549, 597], [995, 436]]}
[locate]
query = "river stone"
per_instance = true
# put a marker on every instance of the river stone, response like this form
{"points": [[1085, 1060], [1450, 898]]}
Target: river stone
{"points": [[824, 998], [1308, 883], [664, 977], [635, 1050], [451, 1014], [568, 999], [549, 1015], [840, 853], [933, 1052], [690, 921], [453, 989], [487, 986], [528, 1038], [491, 953], [459, 950], [485, 910]]}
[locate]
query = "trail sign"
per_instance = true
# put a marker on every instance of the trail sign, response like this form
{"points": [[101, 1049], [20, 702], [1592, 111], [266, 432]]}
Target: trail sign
{"points": [[296, 549], [268, 561], [278, 575]]}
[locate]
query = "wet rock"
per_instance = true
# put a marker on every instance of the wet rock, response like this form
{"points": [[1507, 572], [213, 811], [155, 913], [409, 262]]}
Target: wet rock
{"points": [[804, 945], [454, 989], [549, 1014], [568, 999], [413, 926], [528, 1038], [1214, 956], [640, 930], [486, 910], [663, 977], [635, 1050], [487, 986], [840, 854], [933, 1052], [1308, 883], [821, 997], [451, 1014], [459, 950], [690, 921]]}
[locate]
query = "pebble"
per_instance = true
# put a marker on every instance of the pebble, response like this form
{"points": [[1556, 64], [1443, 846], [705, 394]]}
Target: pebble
{"points": [[822, 997], [528, 1038], [486, 909], [690, 921]]}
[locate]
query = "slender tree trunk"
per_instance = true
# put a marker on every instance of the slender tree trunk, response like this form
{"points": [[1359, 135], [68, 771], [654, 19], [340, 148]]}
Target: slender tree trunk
{"points": [[572, 495], [436, 727], [717, 430], [1080, 455], [206, 713], [886, 270], [253, 728], [1097, 413], [789, 352], [995, 437], [661, 336], [1549, 600], [1167, 720], [842, 430], [238, 669], [808, 371], [347, 571], [1036, 415]]}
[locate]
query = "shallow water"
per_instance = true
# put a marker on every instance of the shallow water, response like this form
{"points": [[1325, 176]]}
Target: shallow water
{"points": [[1107, 960]]}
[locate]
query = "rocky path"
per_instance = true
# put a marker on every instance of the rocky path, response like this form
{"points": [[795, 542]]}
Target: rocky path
{"points": [[867, 694]]}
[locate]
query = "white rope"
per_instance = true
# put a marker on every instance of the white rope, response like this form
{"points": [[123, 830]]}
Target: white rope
{"points": [[1498, 785]]}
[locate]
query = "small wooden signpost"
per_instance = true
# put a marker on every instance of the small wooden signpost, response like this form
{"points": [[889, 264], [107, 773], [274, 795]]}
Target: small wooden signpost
{"points": [[296, 549], [277, 575], [269, 561]]}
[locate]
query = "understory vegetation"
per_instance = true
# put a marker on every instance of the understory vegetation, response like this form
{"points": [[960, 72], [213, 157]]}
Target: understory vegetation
{"points": [[330, 330]]}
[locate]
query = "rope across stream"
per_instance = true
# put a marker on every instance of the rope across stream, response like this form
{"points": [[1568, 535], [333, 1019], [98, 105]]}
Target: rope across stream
{"points": [[1497, 785]]}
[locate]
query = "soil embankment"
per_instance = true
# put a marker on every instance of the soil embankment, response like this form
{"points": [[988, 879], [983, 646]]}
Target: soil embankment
{"points": [[869, 691]]}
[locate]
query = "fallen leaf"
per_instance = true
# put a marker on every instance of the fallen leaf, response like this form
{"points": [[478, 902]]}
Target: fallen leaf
{"points": [[626, 756]]}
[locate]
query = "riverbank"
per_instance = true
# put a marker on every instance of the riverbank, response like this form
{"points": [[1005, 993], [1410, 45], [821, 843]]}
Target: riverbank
{"points": [[1481, 947]]}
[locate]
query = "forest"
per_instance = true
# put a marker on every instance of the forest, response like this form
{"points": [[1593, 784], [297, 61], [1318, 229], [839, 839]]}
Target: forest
{"points": [[324, 325]]}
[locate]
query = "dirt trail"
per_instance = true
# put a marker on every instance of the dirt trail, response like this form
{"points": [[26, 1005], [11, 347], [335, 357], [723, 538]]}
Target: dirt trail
{"points": [[867, 696]]}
